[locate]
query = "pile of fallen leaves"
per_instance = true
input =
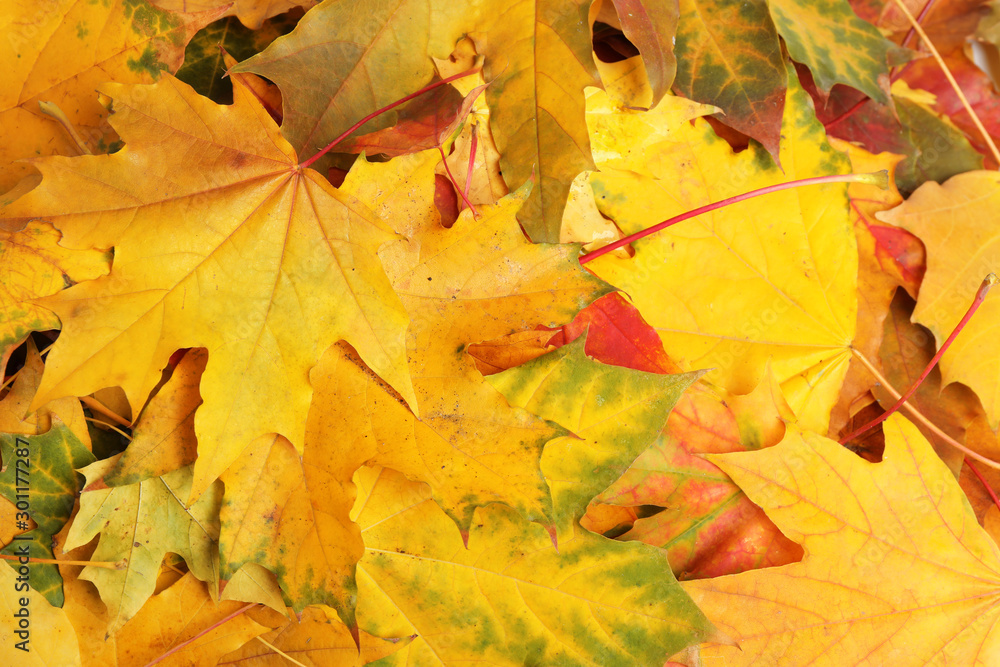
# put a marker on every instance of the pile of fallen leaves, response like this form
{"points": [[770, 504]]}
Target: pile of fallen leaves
{"points": [[305, 362]]}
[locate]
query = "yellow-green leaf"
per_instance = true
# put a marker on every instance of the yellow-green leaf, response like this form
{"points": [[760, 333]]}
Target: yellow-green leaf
{"points": [[511, 598], [139, 524]]}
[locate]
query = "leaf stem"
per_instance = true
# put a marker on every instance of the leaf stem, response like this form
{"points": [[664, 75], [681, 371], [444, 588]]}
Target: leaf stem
{"points": [[920, 417], [880, 178], [472, 162], [982, 480], [378, 112], [951, 80], [97, 406], [984, 289], [280, 652], [177, 648], [119, 565]]}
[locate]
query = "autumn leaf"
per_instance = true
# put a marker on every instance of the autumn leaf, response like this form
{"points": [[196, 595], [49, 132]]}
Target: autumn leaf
{"points": [[290, 515], [896, 571], [955, 222], [339, 64], [60, 646], [46, 465], [40, 267], [251, 13], [728, 55], [652, 27], [613, 414], [707, 526], [60, 55], [837, 46], [231, 165], [318, 638], [180, 614], [772, 279], [163, 440], [140, 523], [510, 598]]}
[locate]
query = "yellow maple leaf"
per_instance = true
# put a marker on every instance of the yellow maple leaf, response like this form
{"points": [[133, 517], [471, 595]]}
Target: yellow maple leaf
{"points": [[896, 570], [221, 241], [773, 278]]}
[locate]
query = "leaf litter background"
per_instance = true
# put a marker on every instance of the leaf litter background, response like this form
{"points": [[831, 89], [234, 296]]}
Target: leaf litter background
{"points": [[372, 409]]}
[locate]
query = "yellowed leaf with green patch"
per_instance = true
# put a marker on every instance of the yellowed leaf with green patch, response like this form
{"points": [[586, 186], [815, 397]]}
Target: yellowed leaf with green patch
{"points": [[61, 53], [221, 241], [290, 514], [773, 278], [510, 598], [35, 265], [478, 280], [140, 523], [49, 638], [538, 60], [957, 223], [163, 438], [39, 475], [896, 568], [613, 414], [185, 614]]}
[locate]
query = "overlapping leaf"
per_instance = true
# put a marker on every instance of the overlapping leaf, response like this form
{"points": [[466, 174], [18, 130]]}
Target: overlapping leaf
{"points": [[728, 55], [223, 242], [836, 45], [340, 64], [39, 266], [957, 223], [771, 279], [479, 280], [510, 598], [897, 570], [61, 53], [139, 524], [40, 470], [613, 414]]}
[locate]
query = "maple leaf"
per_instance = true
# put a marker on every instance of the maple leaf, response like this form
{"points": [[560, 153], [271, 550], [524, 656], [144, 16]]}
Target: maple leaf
{"points": [[860, 58], [613, 414], [519, 601], [956, 223], [60, 55], [60, 646], [163, 439], [46, 465], [290, 515], [183, 280], [339, 64], [897, 570], [771, 279], [652, 27], [728, 55], [141, 523], [252, 13]]}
